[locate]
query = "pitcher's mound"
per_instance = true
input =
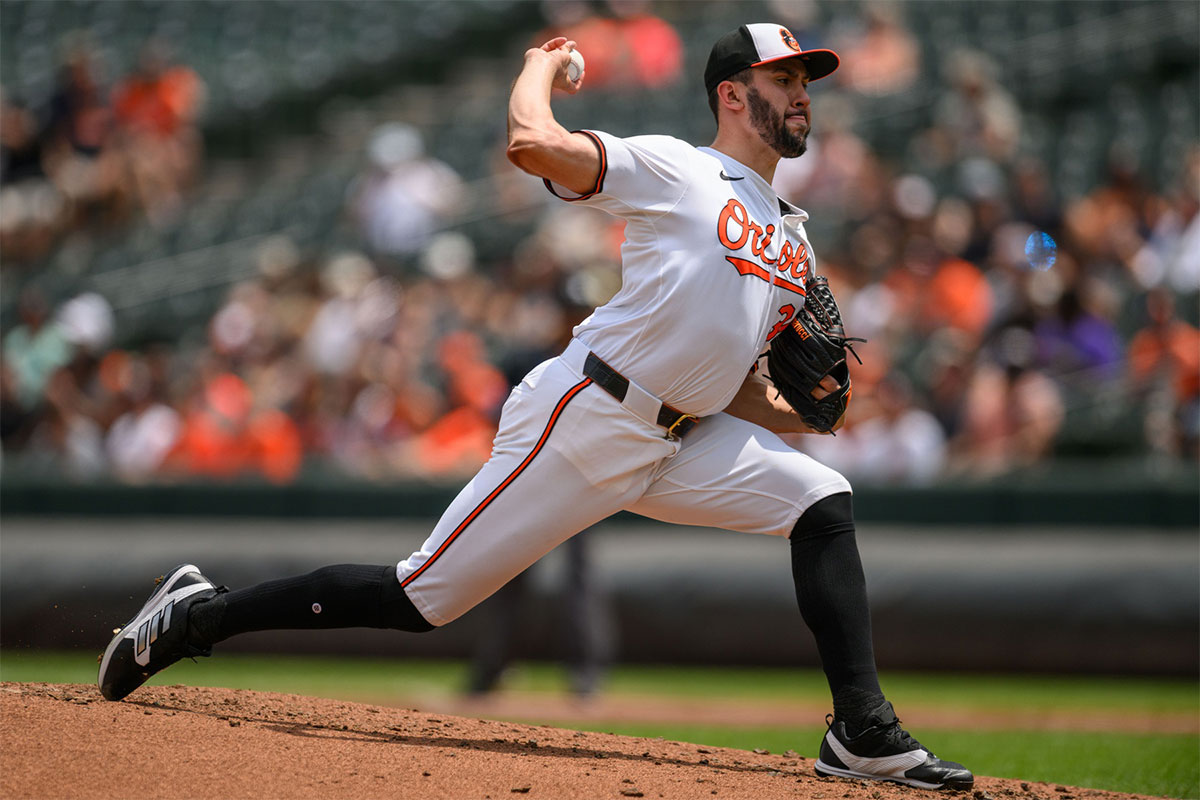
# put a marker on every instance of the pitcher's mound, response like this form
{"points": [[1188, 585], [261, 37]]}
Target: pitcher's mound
{"points": [[65, 741]]}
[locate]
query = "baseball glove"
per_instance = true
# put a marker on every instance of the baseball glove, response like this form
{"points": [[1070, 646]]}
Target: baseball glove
{"points": [[812, 346]]}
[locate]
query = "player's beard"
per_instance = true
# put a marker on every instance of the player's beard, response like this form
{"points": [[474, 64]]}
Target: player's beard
{"points": [[773, 129]]}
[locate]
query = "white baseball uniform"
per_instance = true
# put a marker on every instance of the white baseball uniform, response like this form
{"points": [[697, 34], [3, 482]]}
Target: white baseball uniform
{"points": [[713, 265]]}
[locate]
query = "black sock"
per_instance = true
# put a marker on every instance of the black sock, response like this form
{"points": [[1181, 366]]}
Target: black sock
{"points": [[852, 705], [832, 593], [341, 596]]}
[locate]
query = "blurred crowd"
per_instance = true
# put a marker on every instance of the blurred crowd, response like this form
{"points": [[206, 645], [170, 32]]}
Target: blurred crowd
{"points": [[1007, 323], [379, 375], [98, 154]]}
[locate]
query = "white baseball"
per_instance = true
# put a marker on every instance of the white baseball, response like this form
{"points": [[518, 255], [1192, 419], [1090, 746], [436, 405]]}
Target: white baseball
{"points": [[575, 68]]}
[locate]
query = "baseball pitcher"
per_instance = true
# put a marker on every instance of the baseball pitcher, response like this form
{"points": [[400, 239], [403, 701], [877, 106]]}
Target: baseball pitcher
{"points": [[667, 402]]}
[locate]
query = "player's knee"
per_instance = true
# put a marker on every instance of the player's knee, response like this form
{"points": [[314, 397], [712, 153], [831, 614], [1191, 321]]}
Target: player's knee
{"points": [[827, 517], [396, 609]]}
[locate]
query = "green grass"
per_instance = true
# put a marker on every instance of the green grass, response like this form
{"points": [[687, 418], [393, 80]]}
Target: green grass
{"points": [[1142, 764], [945, 690], [326, 676], [1164, 765]]}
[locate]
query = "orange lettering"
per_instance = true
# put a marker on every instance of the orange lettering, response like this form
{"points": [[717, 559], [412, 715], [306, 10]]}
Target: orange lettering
{"points": [[799, 261], [734, 230], [766, 241], [753, 226], [735, 212], [785, 255], [786, 312]]}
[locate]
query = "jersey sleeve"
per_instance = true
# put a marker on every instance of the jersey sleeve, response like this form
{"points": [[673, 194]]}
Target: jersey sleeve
{"points": [[645, 174]]}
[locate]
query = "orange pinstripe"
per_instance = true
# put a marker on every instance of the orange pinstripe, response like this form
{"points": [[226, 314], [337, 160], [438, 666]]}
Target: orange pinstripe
{"points": [[562, 404]]}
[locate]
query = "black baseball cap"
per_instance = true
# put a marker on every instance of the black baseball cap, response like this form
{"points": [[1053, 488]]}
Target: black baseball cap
{"points": [[761, 43]]}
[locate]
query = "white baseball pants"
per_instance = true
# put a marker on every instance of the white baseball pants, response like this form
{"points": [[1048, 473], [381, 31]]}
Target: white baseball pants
{"points": [[568, 455]]}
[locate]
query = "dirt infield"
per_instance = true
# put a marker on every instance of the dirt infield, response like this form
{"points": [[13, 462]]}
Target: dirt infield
{"points": [[64, 741]]}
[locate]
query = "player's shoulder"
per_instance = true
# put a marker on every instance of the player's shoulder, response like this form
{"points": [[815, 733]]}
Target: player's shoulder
{"points": [[664, 145], [659, 140]]}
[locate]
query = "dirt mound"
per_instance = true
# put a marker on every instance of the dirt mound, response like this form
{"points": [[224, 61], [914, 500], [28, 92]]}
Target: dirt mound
{"points": [[65, 741]]}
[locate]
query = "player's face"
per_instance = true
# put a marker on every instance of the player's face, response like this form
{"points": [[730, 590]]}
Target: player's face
{"points": [[778, 102]]}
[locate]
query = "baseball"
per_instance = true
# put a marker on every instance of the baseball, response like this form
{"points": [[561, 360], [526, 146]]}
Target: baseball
{"points": [[575, 68]]}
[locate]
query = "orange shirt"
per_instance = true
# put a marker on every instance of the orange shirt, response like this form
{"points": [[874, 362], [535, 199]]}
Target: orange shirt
{"points": [[1174, 349], [160, 106]]}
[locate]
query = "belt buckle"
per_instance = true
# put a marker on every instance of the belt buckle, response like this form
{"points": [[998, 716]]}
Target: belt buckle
{"points": [[682, 417]]}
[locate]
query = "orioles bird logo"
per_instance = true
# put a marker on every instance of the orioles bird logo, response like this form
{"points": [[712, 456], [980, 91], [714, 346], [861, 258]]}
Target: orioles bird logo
{"points": [[788, 39]]}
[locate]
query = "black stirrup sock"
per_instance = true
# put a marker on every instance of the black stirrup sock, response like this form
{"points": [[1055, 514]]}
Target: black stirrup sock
{"points": [[832, 593], [341, 596]]}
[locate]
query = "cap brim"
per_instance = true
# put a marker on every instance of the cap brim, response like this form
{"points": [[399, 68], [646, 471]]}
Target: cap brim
{"points": [[819, 62]]}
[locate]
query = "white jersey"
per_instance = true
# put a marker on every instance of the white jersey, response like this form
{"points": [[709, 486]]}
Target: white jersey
{"points": [[714, 264]]}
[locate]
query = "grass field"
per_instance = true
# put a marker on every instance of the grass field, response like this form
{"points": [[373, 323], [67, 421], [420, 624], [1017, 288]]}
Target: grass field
{"points": [[1154, 764]]}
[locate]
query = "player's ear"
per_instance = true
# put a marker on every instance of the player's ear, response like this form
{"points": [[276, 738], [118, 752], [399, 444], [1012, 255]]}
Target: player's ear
{"points": [[731, 94]]}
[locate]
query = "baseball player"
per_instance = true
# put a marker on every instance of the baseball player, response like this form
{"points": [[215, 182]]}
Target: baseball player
{"points": [[655, 406]]}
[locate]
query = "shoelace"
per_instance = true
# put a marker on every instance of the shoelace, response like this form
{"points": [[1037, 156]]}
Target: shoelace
{"points": [[893, 733]]}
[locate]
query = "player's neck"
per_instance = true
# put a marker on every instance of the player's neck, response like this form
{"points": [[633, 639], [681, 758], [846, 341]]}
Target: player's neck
{"points": [[754, 153]]}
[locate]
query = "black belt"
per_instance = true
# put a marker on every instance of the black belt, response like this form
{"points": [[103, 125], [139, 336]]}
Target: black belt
{"points": [[677, 423]]}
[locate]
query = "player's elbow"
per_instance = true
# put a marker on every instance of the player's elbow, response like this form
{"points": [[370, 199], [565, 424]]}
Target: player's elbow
{"points": [[555, 155], [518, 153], [526, 149]]}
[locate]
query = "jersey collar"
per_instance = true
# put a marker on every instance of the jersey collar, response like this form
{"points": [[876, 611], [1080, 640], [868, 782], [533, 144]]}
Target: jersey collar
{"points": [[737, 170], [789, 210]]}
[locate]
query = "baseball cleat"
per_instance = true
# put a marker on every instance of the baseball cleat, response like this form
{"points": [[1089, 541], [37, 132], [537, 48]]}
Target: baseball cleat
{"points": [[156, 636], [884, 751]]}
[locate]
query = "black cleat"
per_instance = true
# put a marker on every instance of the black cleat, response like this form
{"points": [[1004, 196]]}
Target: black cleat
{"points": [[155, 638], [885, 752]]}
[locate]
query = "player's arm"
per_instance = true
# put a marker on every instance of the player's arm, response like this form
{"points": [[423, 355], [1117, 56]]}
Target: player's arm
{"points": [[536, 142], [756, 401]]}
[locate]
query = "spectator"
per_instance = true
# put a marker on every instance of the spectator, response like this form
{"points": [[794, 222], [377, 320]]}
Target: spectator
{"points": [[948, 367], [161, 100], [631, 47], [139, 441], [20, 144], [652, 50], [1164, 365], [882, 57], [406, 196], [936, 290], [1077, 340], [16, 421], [902, 444], [156, 110], [31, 209], [333, 341], [460, 441], [1012, 412], [88, 322], [1034, 200], [1171, 254], [981, 117], [35, 348], [213, 441], [597, 36], [68, 436], [79, 154]]}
